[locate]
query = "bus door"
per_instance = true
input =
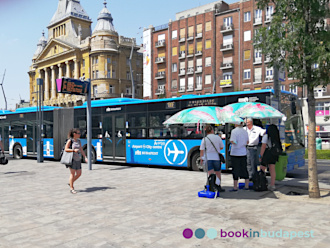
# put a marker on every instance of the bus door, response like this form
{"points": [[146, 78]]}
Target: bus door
{"points": [[114, 138], [31, 138], [119, 138]]}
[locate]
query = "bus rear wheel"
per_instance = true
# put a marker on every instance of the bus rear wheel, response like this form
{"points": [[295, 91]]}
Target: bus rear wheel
{"points": [[18, 152], [93, 156], [196, 162]]}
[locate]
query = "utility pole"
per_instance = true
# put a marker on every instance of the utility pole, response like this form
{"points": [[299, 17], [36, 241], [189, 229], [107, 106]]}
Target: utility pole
{"points": [[3, 91], [130, 68], [40, 144]]}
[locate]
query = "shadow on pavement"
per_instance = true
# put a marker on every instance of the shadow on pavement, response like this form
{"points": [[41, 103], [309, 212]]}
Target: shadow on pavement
{"points": [[93, 189]]}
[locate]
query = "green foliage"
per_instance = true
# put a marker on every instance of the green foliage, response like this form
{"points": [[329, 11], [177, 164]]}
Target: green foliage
{"points": [[297, 39], [320, 154]]}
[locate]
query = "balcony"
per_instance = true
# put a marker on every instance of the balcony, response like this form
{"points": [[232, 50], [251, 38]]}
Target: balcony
{"points": [[160, 91], [199, 35], [257, 21], [268, 18], [199, 69], [190, 70], [269, 79], [182, 89], [160, 43], [182, 72], [227, 65], [190, 54], [199, 53], [190, 36], [160, 75], [227, 47], [227, 28], [257, 61], [257, 80], [182, 55], [190, 88], [182, 39], [160, 60], [226, 83]]}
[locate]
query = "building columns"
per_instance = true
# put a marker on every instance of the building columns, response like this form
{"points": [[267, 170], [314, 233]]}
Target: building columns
{"points": [[53, 82], [46, 84], [60, 75], [76, 68]]}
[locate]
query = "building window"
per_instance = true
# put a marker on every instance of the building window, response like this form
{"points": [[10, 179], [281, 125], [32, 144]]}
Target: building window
{"points": [[95, 90], [174, 51], [109, 60], [97, 74], [269, 72], [208, 44], [174, 34], [283, 87], [208, 79], [269, 11], [83, 62], [199, 29], [127, 61], [113, 74], [257, 74], [208, 26], [227, 76], [199, 82], [227, 21], [293, 89], [111, 89], [174, 67], [174, 84], [247, 16], [247, 35], [207, 61], [182, 33], [247, 74], [108, 74], [258, 14], [247, 54], [128, 75]]}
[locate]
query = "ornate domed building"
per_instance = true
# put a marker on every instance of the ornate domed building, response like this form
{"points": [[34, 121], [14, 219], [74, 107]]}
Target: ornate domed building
{"points": [[73, 50]]}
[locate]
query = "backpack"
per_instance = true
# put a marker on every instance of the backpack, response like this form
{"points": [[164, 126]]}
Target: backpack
{"points": [[212, 185], [260, 182]]}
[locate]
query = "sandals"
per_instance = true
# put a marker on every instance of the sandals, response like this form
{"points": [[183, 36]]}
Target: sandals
{"points": [[73, 191]]}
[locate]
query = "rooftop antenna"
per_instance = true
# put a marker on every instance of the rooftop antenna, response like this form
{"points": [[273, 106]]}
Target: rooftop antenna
{"points": [[3, 91]]}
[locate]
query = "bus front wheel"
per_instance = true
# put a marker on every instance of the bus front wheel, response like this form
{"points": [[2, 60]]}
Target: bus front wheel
{"points": [[18, 152], [93, 156], [196, 162]]}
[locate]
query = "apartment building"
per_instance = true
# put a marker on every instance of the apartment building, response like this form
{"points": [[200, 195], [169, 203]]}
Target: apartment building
{"points": [[209, 49]]}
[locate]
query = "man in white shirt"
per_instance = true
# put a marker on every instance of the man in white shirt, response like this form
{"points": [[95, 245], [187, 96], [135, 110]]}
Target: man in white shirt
{"points": [[254, 133], [239, 139]]}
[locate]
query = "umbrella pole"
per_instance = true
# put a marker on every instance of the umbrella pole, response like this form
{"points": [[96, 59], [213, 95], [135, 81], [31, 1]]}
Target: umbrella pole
{"points": [[205, 155]]}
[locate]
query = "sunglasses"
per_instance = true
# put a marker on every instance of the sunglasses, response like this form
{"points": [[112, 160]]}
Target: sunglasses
{"points": [[77, 133]]}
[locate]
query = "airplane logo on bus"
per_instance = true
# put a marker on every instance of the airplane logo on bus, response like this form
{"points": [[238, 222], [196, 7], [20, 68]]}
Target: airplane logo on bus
{"points": [[173, 149]]}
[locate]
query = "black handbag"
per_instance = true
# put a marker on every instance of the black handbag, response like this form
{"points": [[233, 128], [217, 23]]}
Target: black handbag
{"points": [[221, 157], [3, 159]]}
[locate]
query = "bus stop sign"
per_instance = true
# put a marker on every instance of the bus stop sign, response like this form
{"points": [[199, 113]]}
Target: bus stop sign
{"points": [[72, 86]]}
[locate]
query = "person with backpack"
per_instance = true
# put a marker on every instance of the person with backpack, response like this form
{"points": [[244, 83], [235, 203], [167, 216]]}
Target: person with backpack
{"points": [[74, 145], [270, 150], [239, 139], [211, 145]]}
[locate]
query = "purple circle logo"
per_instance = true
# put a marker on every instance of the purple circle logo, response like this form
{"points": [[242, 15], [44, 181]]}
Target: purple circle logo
{"points": [[187, 233]]}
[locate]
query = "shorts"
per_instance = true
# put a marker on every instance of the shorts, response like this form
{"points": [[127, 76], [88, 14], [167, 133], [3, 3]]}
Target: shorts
{"points": [[239, 164], [76, 165], [213, 165]]}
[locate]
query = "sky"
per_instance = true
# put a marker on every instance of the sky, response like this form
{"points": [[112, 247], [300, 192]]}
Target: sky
{"points": [[22, 23]]}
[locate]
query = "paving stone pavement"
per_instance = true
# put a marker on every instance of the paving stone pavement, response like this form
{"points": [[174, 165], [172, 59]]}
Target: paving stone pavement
{"points": [[123, 206]]}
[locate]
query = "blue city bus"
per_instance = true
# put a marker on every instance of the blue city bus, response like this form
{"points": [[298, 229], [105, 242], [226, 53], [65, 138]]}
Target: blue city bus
{"points": [[130, 131]]}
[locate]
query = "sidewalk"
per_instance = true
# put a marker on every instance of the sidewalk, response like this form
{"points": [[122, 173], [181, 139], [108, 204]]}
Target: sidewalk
{"points": [[122, 206]]}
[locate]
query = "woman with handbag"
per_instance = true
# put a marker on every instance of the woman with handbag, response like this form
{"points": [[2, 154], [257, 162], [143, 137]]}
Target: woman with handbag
{"points": [[75, 167], [270, 149], [212, 144]]}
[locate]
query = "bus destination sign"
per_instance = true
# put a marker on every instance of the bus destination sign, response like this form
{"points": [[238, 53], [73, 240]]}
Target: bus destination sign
{"points": [[72, 86]]}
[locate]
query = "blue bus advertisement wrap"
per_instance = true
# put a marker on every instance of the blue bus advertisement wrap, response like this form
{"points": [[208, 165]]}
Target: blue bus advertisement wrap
{"points": [[48, 148], [164, 152]]}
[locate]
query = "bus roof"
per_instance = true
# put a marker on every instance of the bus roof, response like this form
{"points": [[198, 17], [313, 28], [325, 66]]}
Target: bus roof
{"points": [[29, 110]]}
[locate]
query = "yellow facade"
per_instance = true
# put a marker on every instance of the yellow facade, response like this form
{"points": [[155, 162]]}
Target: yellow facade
{"points": [[72, 52]]}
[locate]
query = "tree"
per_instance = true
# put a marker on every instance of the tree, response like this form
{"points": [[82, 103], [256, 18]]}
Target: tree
{"points": [[298, 39]]}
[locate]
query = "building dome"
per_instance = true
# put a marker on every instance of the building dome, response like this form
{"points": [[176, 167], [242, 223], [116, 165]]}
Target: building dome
{"points": [[104, 22], [41, 45]]}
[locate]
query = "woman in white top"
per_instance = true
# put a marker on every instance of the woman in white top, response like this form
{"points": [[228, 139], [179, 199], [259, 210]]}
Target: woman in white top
{"points": [[212, 144]]}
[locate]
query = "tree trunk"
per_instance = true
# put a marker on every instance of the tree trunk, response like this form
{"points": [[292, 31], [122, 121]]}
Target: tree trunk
{"points": [[313, 183]]}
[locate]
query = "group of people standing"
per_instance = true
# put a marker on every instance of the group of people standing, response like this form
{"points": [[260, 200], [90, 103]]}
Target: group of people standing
{"points": [[244, 152]]}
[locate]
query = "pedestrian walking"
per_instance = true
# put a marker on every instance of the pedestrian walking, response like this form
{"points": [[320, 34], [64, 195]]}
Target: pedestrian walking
{"points": [[254, 133], [75, 167], [268, 158], [211, 145], [239, 139]]}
